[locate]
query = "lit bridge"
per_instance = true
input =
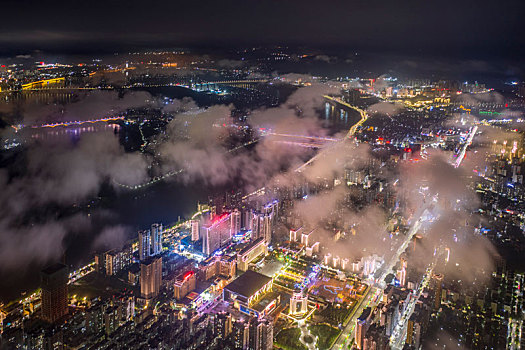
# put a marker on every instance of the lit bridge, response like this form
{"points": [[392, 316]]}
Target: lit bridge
{"points": [[59, 84], [172, 173], [214, 85], [299, 140], [290, 139]]}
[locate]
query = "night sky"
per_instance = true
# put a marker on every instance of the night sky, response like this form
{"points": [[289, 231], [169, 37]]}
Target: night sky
{"points": [[455, 27]]}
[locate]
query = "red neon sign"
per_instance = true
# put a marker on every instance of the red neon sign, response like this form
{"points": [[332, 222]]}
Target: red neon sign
{"points": [[188, 275]]}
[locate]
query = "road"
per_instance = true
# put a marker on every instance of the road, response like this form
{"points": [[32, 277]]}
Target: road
{"points": [[388, 268], [397, 340], [398, 337], [348, 332], [470, 137]]}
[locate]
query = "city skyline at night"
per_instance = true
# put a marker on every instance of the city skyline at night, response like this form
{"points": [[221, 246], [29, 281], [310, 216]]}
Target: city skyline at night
{"points": [[262, 175]]}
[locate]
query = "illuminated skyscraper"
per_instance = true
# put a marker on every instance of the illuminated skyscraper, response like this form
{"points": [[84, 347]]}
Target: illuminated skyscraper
{"points": [[54, 292], [150, 242], [265, 220], [216, 235], [150, 277], [247, 219], [144, 244], [262, 226], [235, 219], [156, 237], [195, 230]]}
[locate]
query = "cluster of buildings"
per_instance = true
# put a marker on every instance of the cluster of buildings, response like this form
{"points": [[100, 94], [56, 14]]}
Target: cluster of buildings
{"points": [[487, 316], [172, 302], [443, 90], [380, 327], [205, 288]]}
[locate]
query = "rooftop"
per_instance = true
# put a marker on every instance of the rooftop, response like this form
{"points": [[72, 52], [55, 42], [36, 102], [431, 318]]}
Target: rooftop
{"points": [[53, 268], [265, 301], [365, 314], [248, 283], [251, 245]]}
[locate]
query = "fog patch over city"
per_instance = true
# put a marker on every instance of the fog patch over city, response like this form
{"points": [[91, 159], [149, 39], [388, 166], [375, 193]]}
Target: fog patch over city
{"points": [[195, 143]]}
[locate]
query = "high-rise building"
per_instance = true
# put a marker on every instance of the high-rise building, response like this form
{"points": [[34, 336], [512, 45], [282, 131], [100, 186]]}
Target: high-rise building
{"points": [[240, 334], [144, 244], [261, 334], [295, 234], [195, 230], [402, 272], [262, 226], [233, 199], [54, 281], [272, 208], [150, 277], [111, 319], [235, 222], [413, 331], [150, 242], [224, 265], [362, 324], [216, 235], [222, 325], [264, 220], [116, 260], [247, 219], [438, 287], [184, 284], [305, 238], [156, 239]]}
